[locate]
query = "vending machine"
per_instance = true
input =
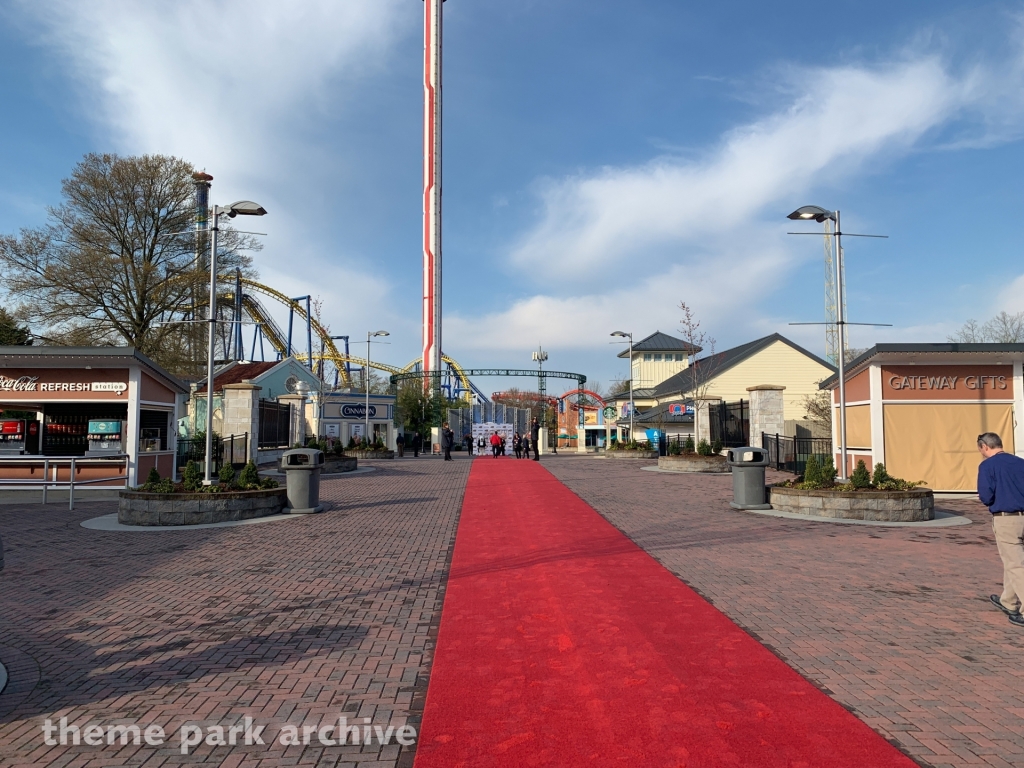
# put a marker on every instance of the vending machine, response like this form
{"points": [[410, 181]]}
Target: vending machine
{"points": [[104, 438], [13, 434]]}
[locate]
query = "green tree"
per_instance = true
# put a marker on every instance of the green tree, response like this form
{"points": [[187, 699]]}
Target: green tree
{"points": [[117, 257], [860, 478], [12, 334]]}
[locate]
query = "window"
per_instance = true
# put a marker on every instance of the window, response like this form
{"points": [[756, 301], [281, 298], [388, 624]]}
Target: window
{"points": [[647, 357], [657, 358], [679, 357]]}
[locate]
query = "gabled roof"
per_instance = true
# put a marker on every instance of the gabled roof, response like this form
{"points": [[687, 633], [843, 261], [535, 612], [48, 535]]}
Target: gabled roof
{"points": [[237, 372], [660, 342], [854, 366], [638, 394], [660, 415], [718, 363]]}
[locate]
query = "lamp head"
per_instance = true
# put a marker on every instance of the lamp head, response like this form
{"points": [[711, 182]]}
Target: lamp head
{"points": [[246, 208], [808, 212], [619, 333], [381, 333]]}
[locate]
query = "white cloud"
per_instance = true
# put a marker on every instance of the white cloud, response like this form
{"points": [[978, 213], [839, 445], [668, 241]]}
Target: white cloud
{"points": [[847, 116]]}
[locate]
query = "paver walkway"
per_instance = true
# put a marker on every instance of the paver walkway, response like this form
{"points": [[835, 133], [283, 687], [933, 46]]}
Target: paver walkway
{"points": [[298, 622], [894, 623]]}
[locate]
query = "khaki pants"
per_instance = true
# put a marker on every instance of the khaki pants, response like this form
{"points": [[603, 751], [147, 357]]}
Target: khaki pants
{"points": [[1009, 531]]}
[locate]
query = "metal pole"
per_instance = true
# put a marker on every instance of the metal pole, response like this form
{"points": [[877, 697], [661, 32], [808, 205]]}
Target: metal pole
{"points": [[208, 476], [309, 332], [630, 386], [366, 436], [46, 474], [71, 488], [842, 348], [432, 191], [291, 317]]}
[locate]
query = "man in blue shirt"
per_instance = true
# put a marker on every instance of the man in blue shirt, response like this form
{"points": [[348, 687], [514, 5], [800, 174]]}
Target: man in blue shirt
{"points": [[1001, 489]]}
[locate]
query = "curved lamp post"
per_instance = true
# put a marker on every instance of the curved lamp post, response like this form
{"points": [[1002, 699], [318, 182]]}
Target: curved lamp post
{"points": [[241, 208], [369, 335], [625, 334]]}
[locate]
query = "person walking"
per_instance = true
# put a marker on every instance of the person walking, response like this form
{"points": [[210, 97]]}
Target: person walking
{"points": [[526, 446], [495, 443], [1001, 489], [517, 445], [447, 440], [400, 445], [468, 440], [535, 438], [415, 445]]}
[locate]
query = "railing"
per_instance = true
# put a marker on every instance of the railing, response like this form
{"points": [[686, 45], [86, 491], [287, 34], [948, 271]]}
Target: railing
{"points": [[55, 463], [790, 454], [275, 424], [233, 447]]}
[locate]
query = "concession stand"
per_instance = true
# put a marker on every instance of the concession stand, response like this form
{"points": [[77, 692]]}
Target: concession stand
{"points": [[111, 408], [919, 408]]}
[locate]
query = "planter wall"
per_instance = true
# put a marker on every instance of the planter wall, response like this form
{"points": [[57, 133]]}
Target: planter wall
{"points": [[334, 465], [139, 508], [374, 454], [631, 454], [879, 506], [693, 463]]}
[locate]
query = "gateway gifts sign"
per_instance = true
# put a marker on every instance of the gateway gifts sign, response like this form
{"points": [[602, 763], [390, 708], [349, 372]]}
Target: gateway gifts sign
{"points": [[947, 382]]}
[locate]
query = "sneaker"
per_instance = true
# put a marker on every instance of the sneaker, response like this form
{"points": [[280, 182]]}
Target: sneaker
{"points": [[998, 604], [1016, 618]]}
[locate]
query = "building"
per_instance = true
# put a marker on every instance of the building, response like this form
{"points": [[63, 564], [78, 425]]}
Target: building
{"points": [[919, 408], [89, 402], [727, 377]]}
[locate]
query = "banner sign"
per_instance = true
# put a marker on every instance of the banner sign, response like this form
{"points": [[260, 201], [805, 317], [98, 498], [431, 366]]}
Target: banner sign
{"points": [[349, 411]]}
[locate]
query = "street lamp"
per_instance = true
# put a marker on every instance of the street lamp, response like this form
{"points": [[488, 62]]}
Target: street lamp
{"points": [[821, 215], [241, 208], [369, 335], [626, 335]]}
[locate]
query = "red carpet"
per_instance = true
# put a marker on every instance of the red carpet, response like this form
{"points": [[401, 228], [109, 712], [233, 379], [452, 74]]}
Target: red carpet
{"points": [[563, 644]]}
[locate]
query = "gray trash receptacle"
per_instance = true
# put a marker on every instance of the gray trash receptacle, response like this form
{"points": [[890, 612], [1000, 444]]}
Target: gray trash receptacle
{"points": [[748, 465], [301, 467]]}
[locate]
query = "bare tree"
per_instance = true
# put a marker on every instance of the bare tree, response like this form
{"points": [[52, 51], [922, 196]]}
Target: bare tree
{"points": [[703, 369], [819, 409], [115, 263], [1004, 328]]}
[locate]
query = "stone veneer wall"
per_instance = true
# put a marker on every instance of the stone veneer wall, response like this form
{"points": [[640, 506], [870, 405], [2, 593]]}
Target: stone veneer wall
{"points": [[693, 463], [631, 454], [138, 508], [767, 412], [879, 506]]}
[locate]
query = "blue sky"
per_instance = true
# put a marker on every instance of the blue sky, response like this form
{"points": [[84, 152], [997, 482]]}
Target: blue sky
{"points": [[602, 161]]}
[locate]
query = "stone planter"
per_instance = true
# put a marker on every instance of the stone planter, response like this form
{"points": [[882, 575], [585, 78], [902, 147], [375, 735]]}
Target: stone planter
{"points": [[879, 506], [336, 464], [631, 454], [373, 454], [693, 462], [140, 508]]}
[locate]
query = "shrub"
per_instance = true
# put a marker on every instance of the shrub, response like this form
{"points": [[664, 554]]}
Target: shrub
{"points": [[860, 478], [703, 448], [312, 443], [191, 477], [812, 472], [268, 482], [153, 476], [883, 481], [716, 447], [674, 449], [249, 477], [828, 472], [880, 476], [226, 475], [688, 446], [352, 442], [154, 484]]}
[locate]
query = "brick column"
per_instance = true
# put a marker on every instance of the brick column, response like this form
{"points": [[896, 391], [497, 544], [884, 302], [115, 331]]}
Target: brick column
{"points": [[297, 433], [767, 414], [241, 413], [702, 419]]}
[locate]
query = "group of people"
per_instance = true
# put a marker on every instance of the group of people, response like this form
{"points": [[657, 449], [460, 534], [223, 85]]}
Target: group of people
{"points": [[521, 444]]}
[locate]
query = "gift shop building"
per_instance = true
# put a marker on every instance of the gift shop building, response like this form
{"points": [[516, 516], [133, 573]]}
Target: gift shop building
{"points": [[112, 407], [919, 408]]}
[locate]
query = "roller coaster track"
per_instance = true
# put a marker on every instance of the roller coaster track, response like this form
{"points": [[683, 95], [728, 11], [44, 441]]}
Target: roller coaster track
{"points": [[278, 340]]}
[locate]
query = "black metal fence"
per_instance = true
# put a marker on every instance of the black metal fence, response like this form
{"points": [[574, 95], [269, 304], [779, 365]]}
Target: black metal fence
{"points": [[233, 448], [790, 454], [275, 424], [730, 423]]}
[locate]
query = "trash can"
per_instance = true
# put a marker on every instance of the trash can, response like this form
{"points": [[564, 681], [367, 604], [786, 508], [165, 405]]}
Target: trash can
{"points": [[301, 467], [748, 465]]}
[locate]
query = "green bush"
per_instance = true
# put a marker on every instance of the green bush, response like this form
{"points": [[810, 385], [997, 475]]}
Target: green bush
{"points": [[716, 447], [153, 476], [226, 475], [860, 478], [192, 478], [312, 443], [883, 481], [249, 477], [812, 472], [828, 471], [880, 476], [268, 482], [674, 449], [703, 448], [688, 446]]}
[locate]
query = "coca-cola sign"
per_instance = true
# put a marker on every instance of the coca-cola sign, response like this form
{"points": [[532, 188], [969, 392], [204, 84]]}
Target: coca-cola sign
{"points": [[20, 384]]}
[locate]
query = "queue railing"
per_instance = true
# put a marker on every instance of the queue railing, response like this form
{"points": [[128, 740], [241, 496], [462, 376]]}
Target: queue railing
{"points": [[55, 463]]}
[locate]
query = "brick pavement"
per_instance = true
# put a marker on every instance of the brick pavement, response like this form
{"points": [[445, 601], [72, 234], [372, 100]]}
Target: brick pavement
{"points": [[288, 622], [894, 623]]}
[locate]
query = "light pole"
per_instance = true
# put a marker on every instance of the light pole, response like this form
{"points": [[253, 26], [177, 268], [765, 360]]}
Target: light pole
{"points": [[241, 208], [625, 334], [369, 335], [821, 215]]}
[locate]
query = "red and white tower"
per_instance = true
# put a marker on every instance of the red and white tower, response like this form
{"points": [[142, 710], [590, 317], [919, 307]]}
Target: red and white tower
{"points": [[432, 186]]}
